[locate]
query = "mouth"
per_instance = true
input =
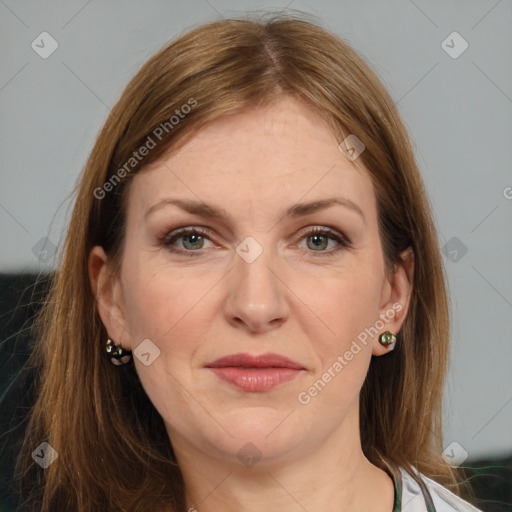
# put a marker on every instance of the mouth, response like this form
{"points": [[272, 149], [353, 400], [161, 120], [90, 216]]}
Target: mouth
{"points": [[256, 373]]}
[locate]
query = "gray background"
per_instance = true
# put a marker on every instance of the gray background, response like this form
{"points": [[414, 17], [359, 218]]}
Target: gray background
{"points": [[458, 112]]}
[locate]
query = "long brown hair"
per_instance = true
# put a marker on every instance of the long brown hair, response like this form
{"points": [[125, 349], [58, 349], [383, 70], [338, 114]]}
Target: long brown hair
{"points": [[114, 452]]}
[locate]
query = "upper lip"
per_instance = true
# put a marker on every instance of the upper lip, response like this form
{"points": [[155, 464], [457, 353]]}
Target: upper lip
{"points": [[267, 360]]}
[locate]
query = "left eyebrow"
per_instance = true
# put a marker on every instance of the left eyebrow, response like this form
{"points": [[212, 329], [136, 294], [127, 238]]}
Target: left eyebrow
{"points": [[302, 209], [216, 212]]}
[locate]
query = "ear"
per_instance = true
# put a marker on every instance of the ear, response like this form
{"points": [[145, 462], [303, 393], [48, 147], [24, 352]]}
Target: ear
{"points": [[395, 299], [109, 297]]}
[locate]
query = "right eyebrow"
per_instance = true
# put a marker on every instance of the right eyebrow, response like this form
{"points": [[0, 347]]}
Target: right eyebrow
{"points": [[193, 207]]}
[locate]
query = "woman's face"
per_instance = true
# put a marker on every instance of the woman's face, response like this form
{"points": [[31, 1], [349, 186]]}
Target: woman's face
{"points": [[282, 259]]}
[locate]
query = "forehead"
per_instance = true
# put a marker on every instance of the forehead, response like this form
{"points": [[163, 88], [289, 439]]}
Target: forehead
{"points": [[275, 155]]}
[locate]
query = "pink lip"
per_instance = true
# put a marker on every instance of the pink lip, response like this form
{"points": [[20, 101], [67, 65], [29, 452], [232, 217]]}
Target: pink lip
{"points": [[255, 373]]}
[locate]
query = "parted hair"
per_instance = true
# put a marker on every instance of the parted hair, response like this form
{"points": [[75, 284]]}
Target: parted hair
{"points": [[114, 451]]}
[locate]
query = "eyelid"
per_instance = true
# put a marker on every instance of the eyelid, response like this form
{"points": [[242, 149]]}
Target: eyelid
{"points": [[323, 229]]}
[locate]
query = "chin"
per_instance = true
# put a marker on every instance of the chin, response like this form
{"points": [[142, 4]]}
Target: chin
{"points": [[262, 433]]}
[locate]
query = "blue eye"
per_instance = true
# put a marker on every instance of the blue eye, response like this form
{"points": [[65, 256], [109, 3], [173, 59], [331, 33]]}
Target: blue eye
{"points": [[193, 239], [318, 240]]}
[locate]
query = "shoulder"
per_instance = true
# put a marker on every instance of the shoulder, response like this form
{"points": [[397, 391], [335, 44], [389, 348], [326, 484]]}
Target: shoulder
{"points": [[442, 499]]}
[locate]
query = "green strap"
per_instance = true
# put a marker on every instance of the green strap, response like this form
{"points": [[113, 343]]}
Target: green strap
{"points": [[397, 481]]}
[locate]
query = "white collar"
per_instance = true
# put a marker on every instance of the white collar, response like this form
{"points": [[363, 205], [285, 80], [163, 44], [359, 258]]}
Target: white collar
{"points": [[414, 499]]}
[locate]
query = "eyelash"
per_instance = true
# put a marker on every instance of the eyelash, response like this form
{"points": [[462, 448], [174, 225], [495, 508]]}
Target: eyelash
{"points": [[169, 239]]}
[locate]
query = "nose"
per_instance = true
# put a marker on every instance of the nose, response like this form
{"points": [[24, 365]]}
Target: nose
{"points": [[256, 299]]}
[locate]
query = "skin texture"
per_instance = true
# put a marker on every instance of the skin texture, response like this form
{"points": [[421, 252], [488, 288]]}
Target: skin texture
{"points": [[294, 299]]}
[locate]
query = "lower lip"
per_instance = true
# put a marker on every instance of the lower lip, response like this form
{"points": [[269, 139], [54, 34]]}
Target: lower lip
{"points": [[255, 379]]}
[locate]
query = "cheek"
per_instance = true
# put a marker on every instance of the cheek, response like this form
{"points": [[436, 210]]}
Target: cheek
{"points": [[168, 308], [347, 307], [162, 301], [344, 303]]}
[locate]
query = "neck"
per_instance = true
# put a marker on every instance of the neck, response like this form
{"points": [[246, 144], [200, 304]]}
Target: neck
{"points": [[332, 475]]}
